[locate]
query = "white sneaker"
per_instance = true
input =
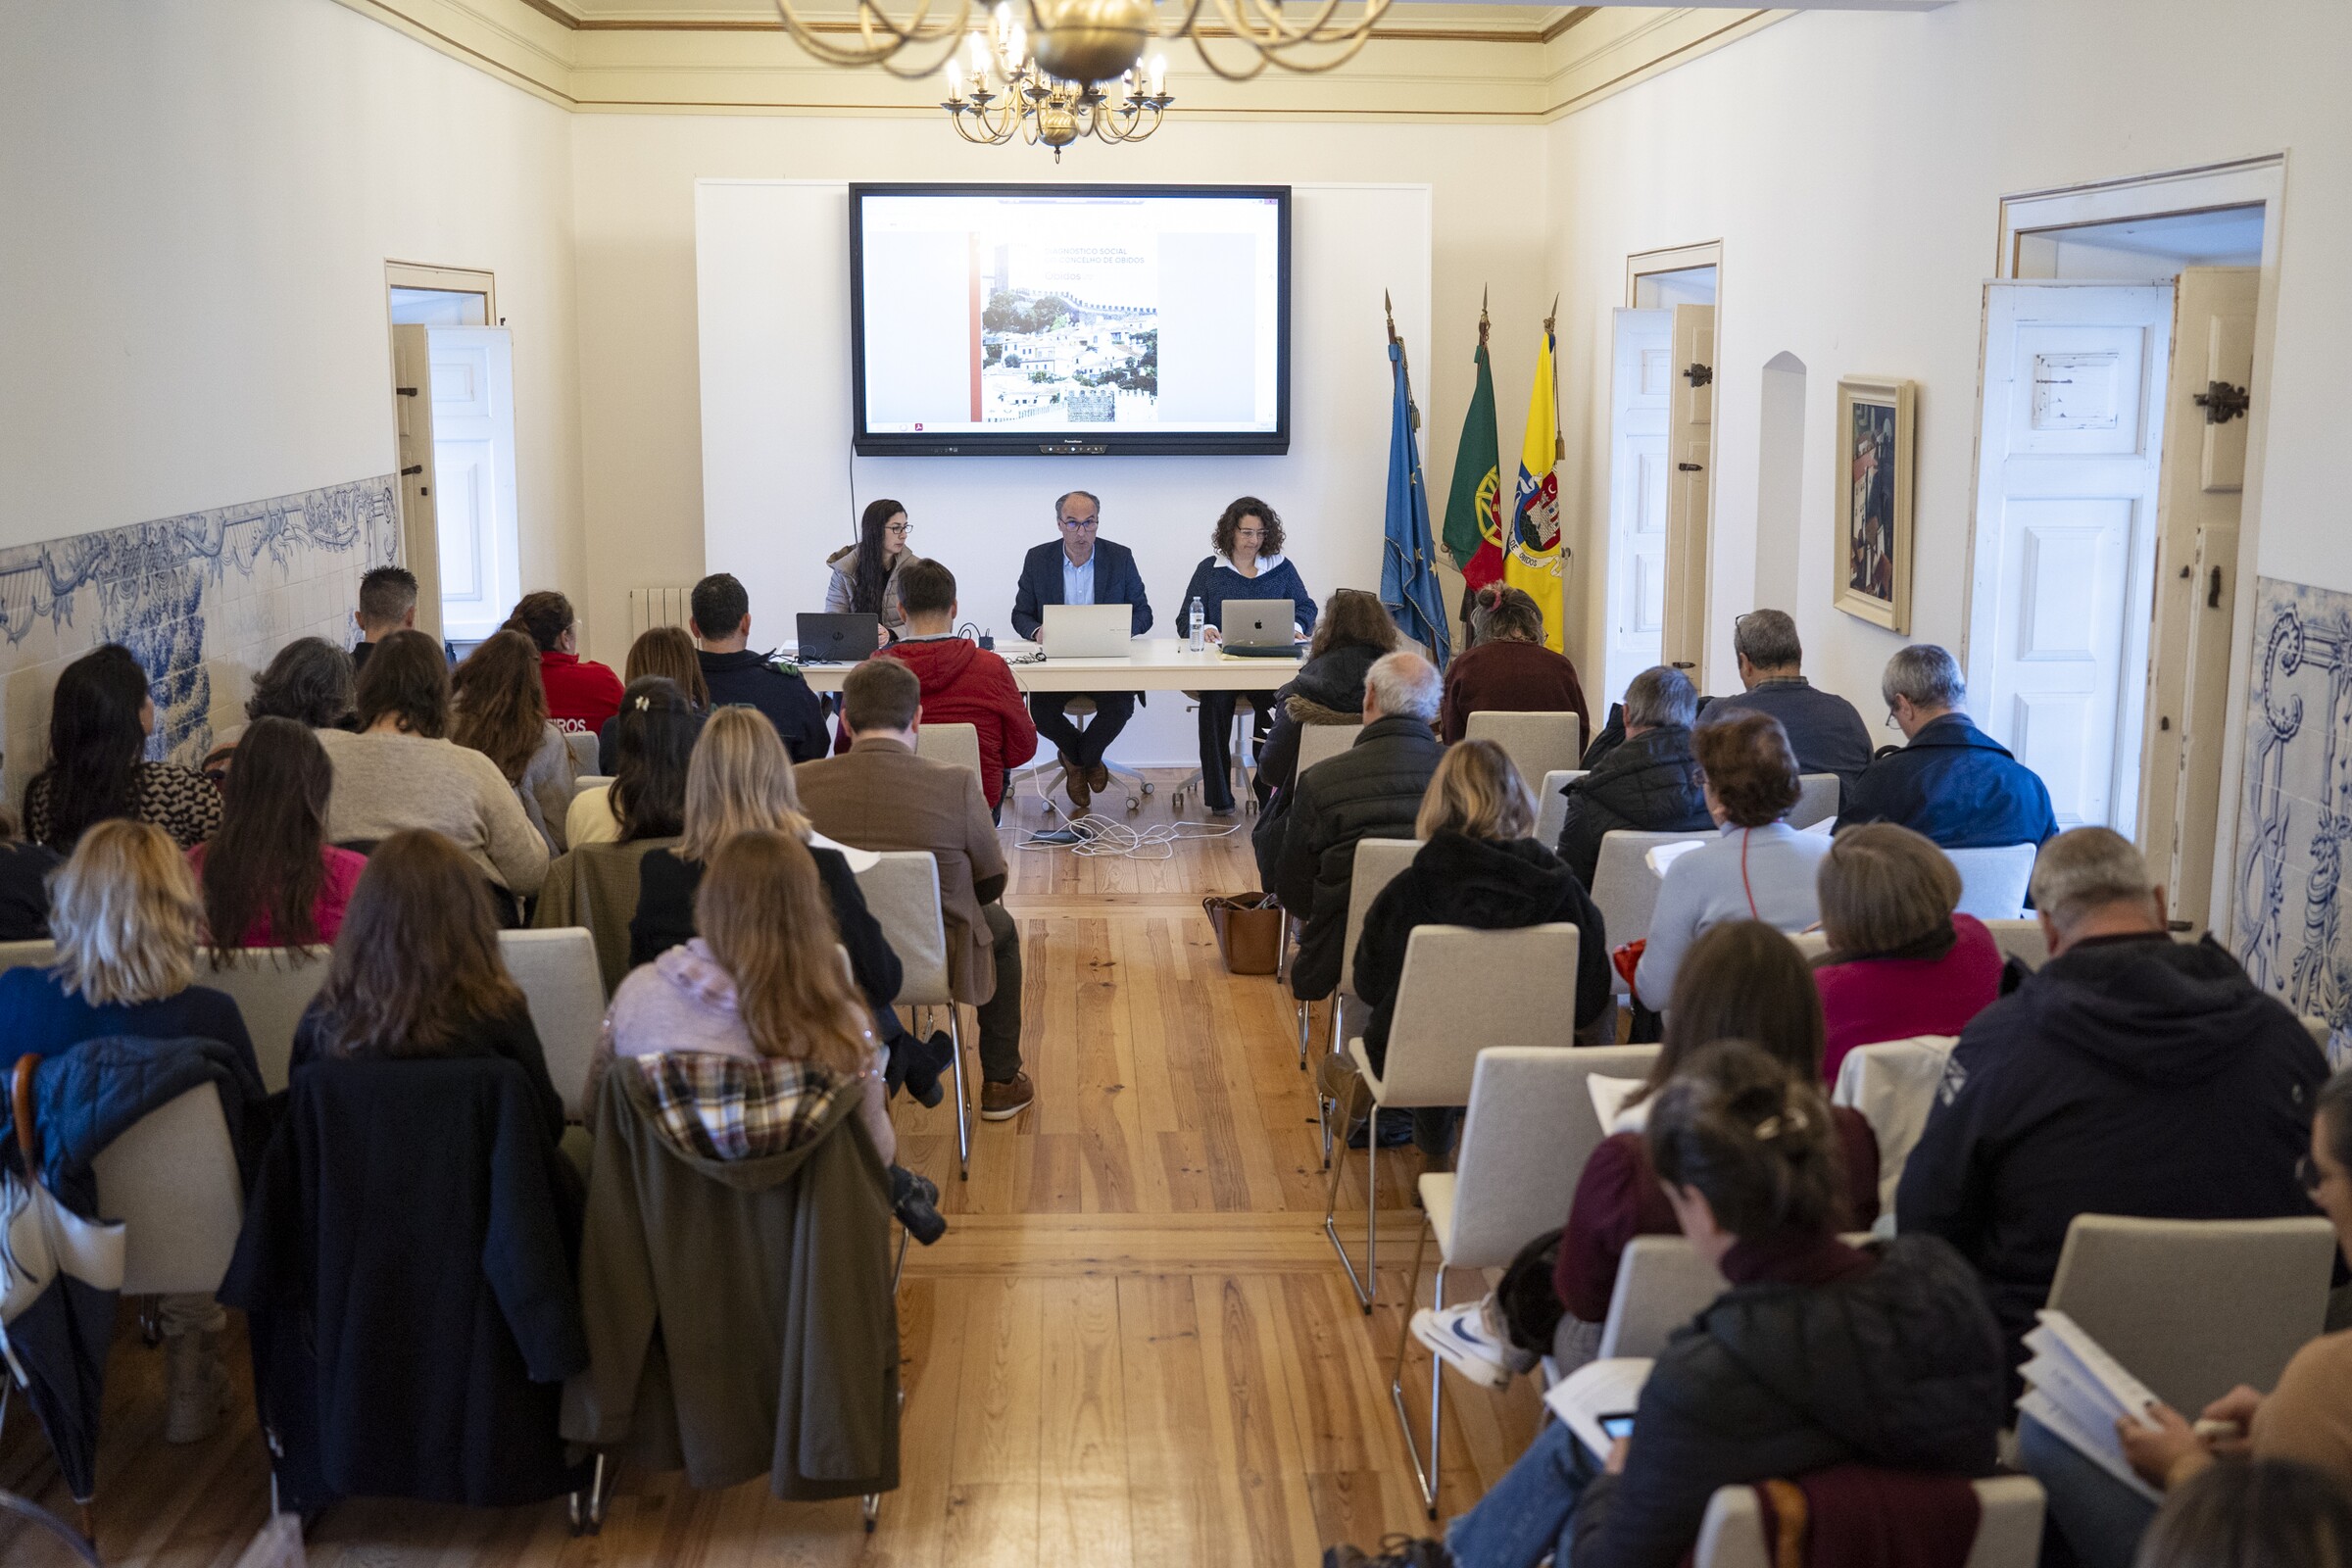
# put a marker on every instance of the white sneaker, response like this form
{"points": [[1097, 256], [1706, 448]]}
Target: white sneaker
{"points": [[1459, 1336]]}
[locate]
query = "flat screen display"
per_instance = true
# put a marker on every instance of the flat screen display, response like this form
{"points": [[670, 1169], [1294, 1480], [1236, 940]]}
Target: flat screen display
{"points": [[1088, 318]]}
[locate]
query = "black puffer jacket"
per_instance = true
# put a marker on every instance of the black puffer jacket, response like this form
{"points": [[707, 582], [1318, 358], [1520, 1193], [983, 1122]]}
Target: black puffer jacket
{"points": [[2131, 1075], [1333, 680], [1371, 790], [1489, 885], [1649, 783], [1898, 1367]]}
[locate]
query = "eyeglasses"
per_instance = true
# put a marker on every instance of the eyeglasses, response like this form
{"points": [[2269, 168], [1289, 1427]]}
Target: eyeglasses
{"points": [[901, 529], [1248, 533], [1892, 721], [1082, 524]]}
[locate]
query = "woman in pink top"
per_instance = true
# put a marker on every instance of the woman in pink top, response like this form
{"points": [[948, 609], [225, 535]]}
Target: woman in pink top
{"points": [[1901, 961], [270, 879]]}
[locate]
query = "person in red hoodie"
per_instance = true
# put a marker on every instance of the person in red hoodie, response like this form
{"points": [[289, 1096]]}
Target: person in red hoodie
{"points": [[963, 683], [581, 694]]}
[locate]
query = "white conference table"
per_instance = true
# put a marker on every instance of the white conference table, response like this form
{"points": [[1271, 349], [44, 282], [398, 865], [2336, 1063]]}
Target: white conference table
{"points": [[1158, 665]]}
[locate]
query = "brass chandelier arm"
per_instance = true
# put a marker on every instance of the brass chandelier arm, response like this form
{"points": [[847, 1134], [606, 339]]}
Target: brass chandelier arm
{"points": [[880, 39], [1185, 25]]}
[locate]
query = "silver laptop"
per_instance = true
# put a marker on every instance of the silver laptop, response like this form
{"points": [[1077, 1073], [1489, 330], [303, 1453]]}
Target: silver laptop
{"points": [[1089, 631], [1254, 623]]}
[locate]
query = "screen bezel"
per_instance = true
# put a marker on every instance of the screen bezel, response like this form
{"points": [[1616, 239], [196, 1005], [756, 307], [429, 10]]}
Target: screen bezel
{"points": [[1109, 443]]}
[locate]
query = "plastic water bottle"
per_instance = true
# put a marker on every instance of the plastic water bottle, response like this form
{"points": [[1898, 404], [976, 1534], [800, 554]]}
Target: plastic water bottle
{"points": [[1199, 622]]}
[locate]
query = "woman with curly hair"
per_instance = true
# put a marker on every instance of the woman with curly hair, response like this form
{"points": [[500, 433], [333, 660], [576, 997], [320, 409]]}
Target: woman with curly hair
{"points": [[498, 706], [1247, 563]]}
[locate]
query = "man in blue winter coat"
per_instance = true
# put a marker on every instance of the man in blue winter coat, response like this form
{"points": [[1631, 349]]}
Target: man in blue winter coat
{"points": [[1953, 782]]}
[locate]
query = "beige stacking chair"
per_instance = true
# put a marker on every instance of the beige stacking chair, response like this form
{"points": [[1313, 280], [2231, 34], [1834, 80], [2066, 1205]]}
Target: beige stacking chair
{"points": [[590, 781], [1993, 882], [1662, 1284], [1377, 863], [1625, 890], [1817, 796], [1552, 807], [1537, 744], [583, 751], [37, 953], [272, 988], [1320, 743], [2194, 1307], [560, 979], [1893, 1086], [171, 1180], [902, 892], [2008, 1527], [959, 744], [1460, 990], [2020, 939]]}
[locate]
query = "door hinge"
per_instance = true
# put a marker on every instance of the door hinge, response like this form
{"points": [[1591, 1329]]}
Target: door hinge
{"points": [[1684, 663], [1699, 374], [413, 467], [2213, 591], [2221, 402], [405, 391]]}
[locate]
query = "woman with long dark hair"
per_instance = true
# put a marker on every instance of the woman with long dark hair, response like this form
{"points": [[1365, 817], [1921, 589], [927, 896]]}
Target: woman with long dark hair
{"points": [[100, 717], [273, 880], [497, 706], [865, 574], [418, 973], [654, 737]]}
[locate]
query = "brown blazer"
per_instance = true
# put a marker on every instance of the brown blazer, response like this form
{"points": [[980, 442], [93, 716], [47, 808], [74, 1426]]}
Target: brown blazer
{"points": [[878, 795]]}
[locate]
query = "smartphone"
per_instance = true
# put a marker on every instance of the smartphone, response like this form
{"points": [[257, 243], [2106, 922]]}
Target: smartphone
{"points": [[1618, 1425]]}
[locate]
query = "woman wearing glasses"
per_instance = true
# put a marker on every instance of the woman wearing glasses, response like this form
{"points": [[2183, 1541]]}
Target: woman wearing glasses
{"points": [[1248, 563], [865, 574]]}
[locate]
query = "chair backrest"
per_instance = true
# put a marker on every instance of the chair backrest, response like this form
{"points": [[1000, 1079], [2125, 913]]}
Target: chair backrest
{"points": [[951, 743], [1510, 1184], [1318, 743], [1993, 882], [2020, 939], [39, 954], [2194, 1307], [589, 781], [272, 988], [560, 979], [583, 749], [2009, 1511], [1377, 863], [1575, 1137], [1623, 888], [1662, 1284], [1817, 797], [1538, 743], [171, 1180], [1893, 1086], [1810, 945], [902, 893], [1462, 989], [1552, 807]]}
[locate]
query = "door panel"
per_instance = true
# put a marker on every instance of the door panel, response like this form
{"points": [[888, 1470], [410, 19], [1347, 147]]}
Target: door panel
{"points": [[1690, 439], [1638, 495], [473, 450], [419, 489]]}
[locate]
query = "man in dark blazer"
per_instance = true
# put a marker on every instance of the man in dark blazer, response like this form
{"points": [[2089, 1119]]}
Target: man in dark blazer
{"points": [[1081, 569]]}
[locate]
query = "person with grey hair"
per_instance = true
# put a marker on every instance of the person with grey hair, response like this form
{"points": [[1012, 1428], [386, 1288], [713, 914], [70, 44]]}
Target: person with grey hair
{"points": [[1952, 782], [309, 682], [1649, 782], [1080, 569], [1371, 790], [1826, 733], [2131, 1074]]}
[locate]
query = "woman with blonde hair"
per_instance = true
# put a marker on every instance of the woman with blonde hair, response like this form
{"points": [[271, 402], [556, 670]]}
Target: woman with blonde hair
{"points": [[1476, 866], [765, 979], [498, 706], [667, 652], [124, 915], [1904, 961]]}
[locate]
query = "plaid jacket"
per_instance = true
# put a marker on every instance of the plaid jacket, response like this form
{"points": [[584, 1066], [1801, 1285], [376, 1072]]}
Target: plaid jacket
{"points": [[733, 1107]]}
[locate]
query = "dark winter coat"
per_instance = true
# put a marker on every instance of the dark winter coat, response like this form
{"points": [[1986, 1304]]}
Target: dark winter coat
{"points": [[1486, 884], [87, 1096], [1824, 731], [1649, 783], [1371, 790], [1958, 786], [1330, 682], [413, 1319], [1898, 1366], [2131, 1075], [745, 679]]}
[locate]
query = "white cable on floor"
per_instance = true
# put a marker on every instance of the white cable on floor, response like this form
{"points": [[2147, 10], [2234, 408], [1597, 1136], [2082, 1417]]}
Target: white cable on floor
{"points": [[1100, 835]]}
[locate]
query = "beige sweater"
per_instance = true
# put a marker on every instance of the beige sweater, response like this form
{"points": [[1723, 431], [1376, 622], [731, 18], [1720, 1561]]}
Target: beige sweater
{"points": [[384, 783]]}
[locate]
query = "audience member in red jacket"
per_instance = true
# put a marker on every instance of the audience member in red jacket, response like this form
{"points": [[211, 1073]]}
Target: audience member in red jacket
{"points": [[581, 694], [1902, 961], [1508, 668], [963, 683]]}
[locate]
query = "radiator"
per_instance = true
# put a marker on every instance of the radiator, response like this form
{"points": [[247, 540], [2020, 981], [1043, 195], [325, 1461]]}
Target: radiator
{"points": [[656, 607]]}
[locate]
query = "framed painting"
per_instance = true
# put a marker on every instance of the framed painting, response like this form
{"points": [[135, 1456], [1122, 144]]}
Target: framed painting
{"points": [[1871, 477]]}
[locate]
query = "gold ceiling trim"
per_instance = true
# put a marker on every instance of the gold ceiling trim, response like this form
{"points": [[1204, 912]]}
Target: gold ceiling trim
{"points": [[1429, 34]]}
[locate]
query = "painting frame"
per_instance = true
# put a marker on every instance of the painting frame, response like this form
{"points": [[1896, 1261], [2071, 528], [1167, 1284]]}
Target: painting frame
{"points": [[1871, 479]]}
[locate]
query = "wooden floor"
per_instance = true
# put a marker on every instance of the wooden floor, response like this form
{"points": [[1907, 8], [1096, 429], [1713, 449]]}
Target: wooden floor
{"points": [[1133, 1345]]}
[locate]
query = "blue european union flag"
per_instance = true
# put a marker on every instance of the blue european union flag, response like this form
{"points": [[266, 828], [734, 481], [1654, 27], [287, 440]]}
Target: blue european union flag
{"points": [[1409, 564]]}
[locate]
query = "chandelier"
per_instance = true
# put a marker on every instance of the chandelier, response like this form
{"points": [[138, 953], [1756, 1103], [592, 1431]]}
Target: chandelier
{"points": [[1078, 45], [1010, 93]]}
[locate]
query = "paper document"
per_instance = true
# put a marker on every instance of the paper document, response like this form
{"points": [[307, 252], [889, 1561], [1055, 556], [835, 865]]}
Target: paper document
{"points": [[1662, 855], [1594, 1390], [2077, 1389], [1609, 1095]]}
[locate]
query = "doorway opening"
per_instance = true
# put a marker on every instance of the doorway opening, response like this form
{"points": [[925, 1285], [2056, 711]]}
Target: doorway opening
{"points": [[2111, 471], [1661, 465], [453, 372]]}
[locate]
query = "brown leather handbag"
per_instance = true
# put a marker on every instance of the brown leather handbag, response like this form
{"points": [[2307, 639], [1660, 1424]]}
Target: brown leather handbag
{"points": [[1248, 931]]}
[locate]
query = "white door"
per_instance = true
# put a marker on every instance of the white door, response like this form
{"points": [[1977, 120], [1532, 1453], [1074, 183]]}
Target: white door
{"points": [[474, 461], [1641, 389], [2203, 471], [2064, 550], [1690, 487], [412, 416]]}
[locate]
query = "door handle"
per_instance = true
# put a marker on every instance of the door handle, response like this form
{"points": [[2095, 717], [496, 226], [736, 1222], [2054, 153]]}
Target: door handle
{"points": [[1684, 663], [2213, 591], [1692, 467]]}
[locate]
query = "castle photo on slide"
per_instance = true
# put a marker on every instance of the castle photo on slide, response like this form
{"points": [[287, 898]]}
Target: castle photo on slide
{"points": [[1069, 335]]}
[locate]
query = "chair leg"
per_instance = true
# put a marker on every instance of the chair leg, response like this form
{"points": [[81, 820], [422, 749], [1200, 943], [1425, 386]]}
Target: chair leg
{"points": [[587, 1511], [899, 1269], [964, 1119], [870, 1506], [1426, 1479], [1365, 1284]]}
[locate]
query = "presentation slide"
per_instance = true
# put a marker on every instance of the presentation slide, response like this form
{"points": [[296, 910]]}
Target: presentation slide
{"points": [[1059, 316]]}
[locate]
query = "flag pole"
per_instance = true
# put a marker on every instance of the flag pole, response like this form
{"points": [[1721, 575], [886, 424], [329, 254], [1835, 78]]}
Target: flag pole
{"points": [[1559, 433], [1403, 360]]}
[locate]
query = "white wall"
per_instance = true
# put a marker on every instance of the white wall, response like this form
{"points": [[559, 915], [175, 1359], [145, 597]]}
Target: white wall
{"points": [[1852, 164], [199, 200]]}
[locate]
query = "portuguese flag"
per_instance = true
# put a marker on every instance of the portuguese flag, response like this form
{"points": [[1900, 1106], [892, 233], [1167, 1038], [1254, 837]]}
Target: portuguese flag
{"points": [[1474, 505]]}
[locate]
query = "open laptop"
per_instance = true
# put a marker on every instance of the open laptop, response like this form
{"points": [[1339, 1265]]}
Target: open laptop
{"points": [[1259, 628], [1089, 631], [837, 639]]}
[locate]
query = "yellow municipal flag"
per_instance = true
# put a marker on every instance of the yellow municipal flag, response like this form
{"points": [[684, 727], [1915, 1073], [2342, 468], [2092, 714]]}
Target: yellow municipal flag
{"points": [[1535, 562]]}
